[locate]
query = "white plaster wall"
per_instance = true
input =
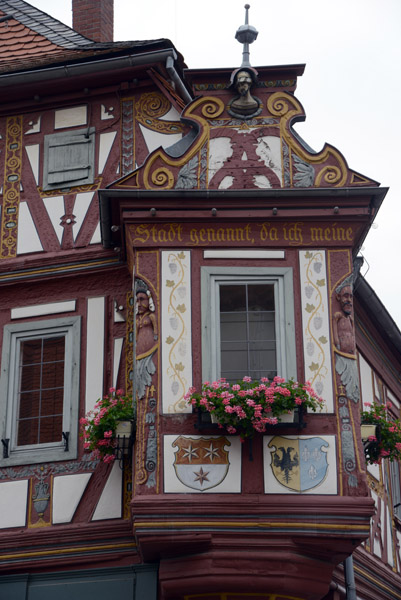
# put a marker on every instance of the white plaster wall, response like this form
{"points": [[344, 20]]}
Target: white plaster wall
{"points": [[155, 139], [70, 117], [105, 145], [81, 205], [67, 492], [220, 149], [366, 380], [13, 501], [269, 150], [55, 210], [118, 346], [176, 334], [94, 352], [33, 157], [52, 308], [110, 502], [28, 239], [316, 324]]}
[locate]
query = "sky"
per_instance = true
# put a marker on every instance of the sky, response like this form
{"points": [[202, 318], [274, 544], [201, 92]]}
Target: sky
{"points": [[350, 90]]}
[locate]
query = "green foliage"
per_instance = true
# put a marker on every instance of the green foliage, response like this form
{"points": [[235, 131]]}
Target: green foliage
{"points": [[98, 427], [387, 444]]}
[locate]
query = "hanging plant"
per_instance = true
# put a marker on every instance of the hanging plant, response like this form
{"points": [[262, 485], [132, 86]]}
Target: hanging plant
{"points": [[250, 406], [99, 426], [386, 443]]}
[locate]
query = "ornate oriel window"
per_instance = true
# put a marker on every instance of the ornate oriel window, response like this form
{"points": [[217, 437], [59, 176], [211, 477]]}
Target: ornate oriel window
{"points": [[247, 322]]}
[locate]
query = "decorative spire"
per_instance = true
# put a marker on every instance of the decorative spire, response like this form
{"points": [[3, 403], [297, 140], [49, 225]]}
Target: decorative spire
{"points": [[246, 34]]}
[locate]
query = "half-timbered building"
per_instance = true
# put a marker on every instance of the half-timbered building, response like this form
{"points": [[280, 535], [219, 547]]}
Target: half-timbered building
{"points": [[126, 174]]}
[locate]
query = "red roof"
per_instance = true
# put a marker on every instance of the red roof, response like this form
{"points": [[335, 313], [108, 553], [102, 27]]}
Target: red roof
{"points": [[17, 40]]}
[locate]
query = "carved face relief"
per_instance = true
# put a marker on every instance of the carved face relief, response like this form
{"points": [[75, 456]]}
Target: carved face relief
{"points": [[345, 298]]}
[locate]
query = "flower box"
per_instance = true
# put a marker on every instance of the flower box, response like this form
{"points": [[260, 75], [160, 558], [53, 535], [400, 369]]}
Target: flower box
{"points": [[249, 407]]}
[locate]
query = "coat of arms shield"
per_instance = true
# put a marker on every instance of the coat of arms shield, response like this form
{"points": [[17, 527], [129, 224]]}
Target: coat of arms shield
{"points": [[201, 463], [299, 464]]}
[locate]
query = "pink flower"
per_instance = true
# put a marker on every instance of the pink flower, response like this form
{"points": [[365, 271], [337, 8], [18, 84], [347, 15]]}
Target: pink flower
{"points": [[264, 380], [398, 445], [372, 438], [83, 421], [108, 458], [112, 390], [231, 429], [108, 434], [236, 387], [367, 404], [384, 452], [247, 379], [86, 445], [298, 400], [120, 392]]}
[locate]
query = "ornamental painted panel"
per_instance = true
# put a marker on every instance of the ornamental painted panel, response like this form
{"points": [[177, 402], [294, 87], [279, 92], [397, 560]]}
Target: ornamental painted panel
{"points": [[196, 464], [176, 330], [300, 464], [316, 324]]}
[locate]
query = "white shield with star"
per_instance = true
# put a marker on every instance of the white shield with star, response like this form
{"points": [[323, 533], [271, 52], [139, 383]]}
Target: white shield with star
{"points": [[201, 463]]}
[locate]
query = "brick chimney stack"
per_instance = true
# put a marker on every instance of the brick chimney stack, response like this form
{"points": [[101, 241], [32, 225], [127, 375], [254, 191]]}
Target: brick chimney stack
{"points": [[94, 19]]}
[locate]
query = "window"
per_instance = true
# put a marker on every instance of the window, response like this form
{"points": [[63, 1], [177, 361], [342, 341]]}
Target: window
{"points": [[40, 384], [395, 488], [69, 159], [247, 323]]}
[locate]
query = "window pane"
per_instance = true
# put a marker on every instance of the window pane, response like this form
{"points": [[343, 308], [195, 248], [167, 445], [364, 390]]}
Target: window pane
{"points": [[260, 297], [247, 335], [262, 326], [233, 357], [51, 429], [30, 378], [29, 405], [52, 402], [28, 432], [53, 349], [232, 298], [233, 327], [52, 375], [31, 351], [41, 393]]}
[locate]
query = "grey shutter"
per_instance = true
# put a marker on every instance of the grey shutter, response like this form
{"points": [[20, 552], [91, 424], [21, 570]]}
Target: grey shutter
{"points": [[69, 158]]}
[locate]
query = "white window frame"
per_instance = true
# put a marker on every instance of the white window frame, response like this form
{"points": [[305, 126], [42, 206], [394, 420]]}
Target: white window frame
{"points": [[395, 488], [282, 279], [14, 334]]}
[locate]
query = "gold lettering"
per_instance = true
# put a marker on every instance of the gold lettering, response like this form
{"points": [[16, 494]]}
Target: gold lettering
{"points": [[210, 235], [193, 236], [202, 234], [220, 235], [349, 234], [274, 234], [316, 234], [239, 234], [141, 234], [295, 234]]}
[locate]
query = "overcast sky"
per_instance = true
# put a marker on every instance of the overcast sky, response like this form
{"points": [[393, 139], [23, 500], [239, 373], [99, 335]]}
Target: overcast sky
{"points": [[351, 89]]}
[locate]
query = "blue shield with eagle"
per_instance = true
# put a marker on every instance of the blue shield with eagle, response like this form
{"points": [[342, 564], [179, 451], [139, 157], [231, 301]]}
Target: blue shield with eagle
{"points": [[299, 464]]}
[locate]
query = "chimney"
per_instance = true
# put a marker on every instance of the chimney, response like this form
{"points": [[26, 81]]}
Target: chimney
{"points": [[94, 19]]}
